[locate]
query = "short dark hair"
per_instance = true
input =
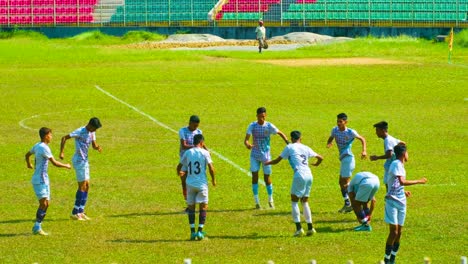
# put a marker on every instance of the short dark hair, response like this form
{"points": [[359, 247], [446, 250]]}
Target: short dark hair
{"points": [[342, 116], [44, 131], [295, 135], [94, 122], [197, 139], [194, 119], [261, 110], [381, 125], [399, 150]]}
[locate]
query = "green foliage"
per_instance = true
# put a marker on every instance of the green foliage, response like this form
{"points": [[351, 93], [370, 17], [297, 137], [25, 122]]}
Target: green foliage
{"points": [[182, 31], [135, 198], [137, 36], [461, 38], [18, 33], [94, 36]]}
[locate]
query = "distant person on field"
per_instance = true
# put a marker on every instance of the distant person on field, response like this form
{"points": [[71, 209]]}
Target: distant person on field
{"points": [[84, 136], [395, 201], [40, 178], [361, 191], [298, 155], [344, 138], [186, 135], [260, 32], [193, 166], [381, 129], [261, 130]]}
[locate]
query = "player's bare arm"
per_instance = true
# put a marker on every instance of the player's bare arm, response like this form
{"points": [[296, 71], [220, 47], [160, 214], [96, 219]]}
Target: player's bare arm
{"points": [[284, 137], [275, 161], [62, 145], [247, 143], [28, 160], [59, 164], [319, 160], [387, 155], [405, 182], [330, 142], [97, 147], [364, 147], [212, 173]]}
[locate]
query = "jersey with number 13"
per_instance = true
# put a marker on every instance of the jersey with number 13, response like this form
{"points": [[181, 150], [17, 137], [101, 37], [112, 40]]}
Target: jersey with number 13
{"points": [[194, 162]]}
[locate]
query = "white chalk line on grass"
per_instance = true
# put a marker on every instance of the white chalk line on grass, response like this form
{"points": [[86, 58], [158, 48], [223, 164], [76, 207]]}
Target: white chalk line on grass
{"points": [[173, 130], [23, 125]]}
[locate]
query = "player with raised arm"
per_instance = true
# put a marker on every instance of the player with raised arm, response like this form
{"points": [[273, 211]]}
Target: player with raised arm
{"points": [[395, 201], [298, 155], [40, 178], [193, 165], [84, 137], [344, 138], [261, 130]]}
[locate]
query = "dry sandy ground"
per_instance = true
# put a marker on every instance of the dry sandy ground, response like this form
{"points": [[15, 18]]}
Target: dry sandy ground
{"points": [[289, 41]]}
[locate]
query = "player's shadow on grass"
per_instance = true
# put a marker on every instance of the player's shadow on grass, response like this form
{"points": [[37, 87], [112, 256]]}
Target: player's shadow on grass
{"points": [[19, 221], [141, 241], [147, 214], [328, 229], [15, 235], [252, 236]]}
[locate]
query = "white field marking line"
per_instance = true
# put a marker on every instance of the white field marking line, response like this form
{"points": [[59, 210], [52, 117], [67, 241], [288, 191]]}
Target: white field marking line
{"points": [[23, 125], [172, 130]]}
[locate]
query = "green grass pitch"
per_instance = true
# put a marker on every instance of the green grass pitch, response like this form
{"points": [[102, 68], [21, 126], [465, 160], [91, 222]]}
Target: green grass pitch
{"points": [[135, 197]]}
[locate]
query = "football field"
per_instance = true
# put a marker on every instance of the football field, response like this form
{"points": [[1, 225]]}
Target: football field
{"points": [[143, 97]]}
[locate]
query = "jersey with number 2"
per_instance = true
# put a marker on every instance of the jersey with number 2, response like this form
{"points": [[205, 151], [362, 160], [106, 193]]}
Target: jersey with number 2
{"points": [[298, 155], [194, 162]]}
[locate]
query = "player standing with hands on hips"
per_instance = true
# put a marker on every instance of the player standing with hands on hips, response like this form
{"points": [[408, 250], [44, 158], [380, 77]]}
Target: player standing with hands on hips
{"points": [[261, 130], [84, 136]]}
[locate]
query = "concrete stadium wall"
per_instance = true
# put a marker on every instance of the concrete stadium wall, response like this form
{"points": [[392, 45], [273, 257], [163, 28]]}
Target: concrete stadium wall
{"points": [[248, 32]]}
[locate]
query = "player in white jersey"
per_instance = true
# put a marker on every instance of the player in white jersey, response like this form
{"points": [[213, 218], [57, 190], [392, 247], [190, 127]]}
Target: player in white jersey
{"points": [[298, 155], [361, 191], [381, 129], [395, 201], [193, 166], [84, 137], [261, 130], [344, 138], [186, 135], [40, 178]]}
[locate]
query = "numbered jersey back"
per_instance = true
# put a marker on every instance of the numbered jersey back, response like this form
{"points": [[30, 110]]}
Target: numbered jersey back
{"points": [[194, 162]]}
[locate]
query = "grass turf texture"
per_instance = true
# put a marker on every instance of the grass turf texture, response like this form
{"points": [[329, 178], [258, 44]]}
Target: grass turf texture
{"points": [[135, 198]]}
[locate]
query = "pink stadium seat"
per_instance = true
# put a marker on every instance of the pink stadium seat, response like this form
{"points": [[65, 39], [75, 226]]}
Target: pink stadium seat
{"points": [[3, 11], [86, 19], [26, 20], [3, 3], [14, 20], [3, 20]]}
